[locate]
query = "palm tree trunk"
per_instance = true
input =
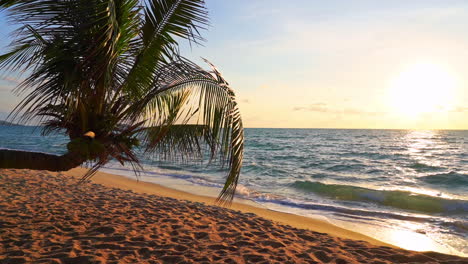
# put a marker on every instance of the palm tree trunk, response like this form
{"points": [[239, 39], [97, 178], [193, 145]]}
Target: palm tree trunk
{"points": [[17, 159]]}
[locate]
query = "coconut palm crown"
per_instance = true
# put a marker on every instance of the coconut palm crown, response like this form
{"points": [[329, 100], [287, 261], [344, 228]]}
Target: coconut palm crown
{"points": [[109, 74]]}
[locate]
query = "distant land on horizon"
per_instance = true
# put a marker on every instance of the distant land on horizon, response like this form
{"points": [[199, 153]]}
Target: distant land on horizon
{"points": [[5, 123]]}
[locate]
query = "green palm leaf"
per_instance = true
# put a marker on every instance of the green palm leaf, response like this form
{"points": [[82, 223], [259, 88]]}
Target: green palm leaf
{"points": [[112, 67]]}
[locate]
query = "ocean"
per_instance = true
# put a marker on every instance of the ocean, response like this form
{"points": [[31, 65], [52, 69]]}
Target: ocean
{"points": [[403, 187]]}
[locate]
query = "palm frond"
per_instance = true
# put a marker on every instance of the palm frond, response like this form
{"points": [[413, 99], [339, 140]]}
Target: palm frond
{"points": [[181, 18], [209, 104], [180, 143], [164, 20]]}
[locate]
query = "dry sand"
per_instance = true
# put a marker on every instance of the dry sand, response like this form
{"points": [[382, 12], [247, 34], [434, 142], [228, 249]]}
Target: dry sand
{"points": [[47, 218]]}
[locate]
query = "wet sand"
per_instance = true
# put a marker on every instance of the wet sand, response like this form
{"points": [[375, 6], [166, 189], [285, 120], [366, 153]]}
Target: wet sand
{"points": [[48, 218]]}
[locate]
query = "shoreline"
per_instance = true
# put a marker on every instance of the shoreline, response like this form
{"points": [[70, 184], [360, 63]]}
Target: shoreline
{"points": [[49, 218], [391, 237], [297, 221]]}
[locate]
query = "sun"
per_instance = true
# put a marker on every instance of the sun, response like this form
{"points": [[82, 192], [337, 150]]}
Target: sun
{"points": [[422, 88]]}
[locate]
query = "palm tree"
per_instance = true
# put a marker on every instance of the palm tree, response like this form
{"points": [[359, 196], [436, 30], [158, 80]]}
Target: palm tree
{"points": [[108, 73]]}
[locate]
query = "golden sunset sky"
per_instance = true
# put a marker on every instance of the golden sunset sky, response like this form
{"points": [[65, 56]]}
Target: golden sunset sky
{"points": [[336, 64]]}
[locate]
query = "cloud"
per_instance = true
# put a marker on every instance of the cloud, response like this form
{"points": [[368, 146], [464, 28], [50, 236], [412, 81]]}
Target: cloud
{"points": [[8, 83], [459, 109], [259, 10], [353, 111], [316, 107], [325, 108], [11, 80], [294, 32]]}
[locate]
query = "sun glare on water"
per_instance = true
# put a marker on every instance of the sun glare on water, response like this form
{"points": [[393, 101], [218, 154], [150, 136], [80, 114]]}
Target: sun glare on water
{"points": [[422, 88]]}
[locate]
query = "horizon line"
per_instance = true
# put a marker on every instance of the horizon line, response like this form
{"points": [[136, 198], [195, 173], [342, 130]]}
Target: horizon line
{"points": [[344, 128]]}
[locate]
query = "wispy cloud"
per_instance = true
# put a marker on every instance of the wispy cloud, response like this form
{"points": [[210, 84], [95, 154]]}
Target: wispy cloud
{"points": [[257, 9], [11, 80], [460, 109], [316, 107], [325, 108]]}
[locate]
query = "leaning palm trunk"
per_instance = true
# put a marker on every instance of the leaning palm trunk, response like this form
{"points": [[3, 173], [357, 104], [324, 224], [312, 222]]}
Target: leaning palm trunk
{"points": [[38, 161], [112, 67]]}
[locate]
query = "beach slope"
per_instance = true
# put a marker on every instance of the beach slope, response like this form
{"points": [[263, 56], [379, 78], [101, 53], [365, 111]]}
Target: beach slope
{"points": [[48, 218]]}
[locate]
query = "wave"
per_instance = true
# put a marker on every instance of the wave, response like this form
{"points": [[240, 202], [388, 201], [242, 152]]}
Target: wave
{"points": [[450, 179], [421, 167], [353, 213], [345, 168], [458, 226], [370, 155], [262, 197], [397, 199]]}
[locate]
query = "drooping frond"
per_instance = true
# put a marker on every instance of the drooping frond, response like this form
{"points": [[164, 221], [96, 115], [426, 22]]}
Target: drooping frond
{"points": [[187, 106], [180, 142]]}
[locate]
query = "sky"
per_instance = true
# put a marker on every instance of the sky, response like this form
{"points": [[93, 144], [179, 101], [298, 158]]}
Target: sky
{"points": [[334, 64]]}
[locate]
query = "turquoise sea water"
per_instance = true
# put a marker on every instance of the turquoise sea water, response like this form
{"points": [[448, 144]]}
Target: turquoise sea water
{"points": [[404, 187]]}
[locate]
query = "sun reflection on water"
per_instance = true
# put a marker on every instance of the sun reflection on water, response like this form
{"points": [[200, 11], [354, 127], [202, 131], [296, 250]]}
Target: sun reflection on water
{"points": [[423, 147], [420, 140], [412, 240], [404, 234]]}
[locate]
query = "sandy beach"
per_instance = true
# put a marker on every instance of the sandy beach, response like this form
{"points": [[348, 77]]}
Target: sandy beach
{"points": [[47, 218]]}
